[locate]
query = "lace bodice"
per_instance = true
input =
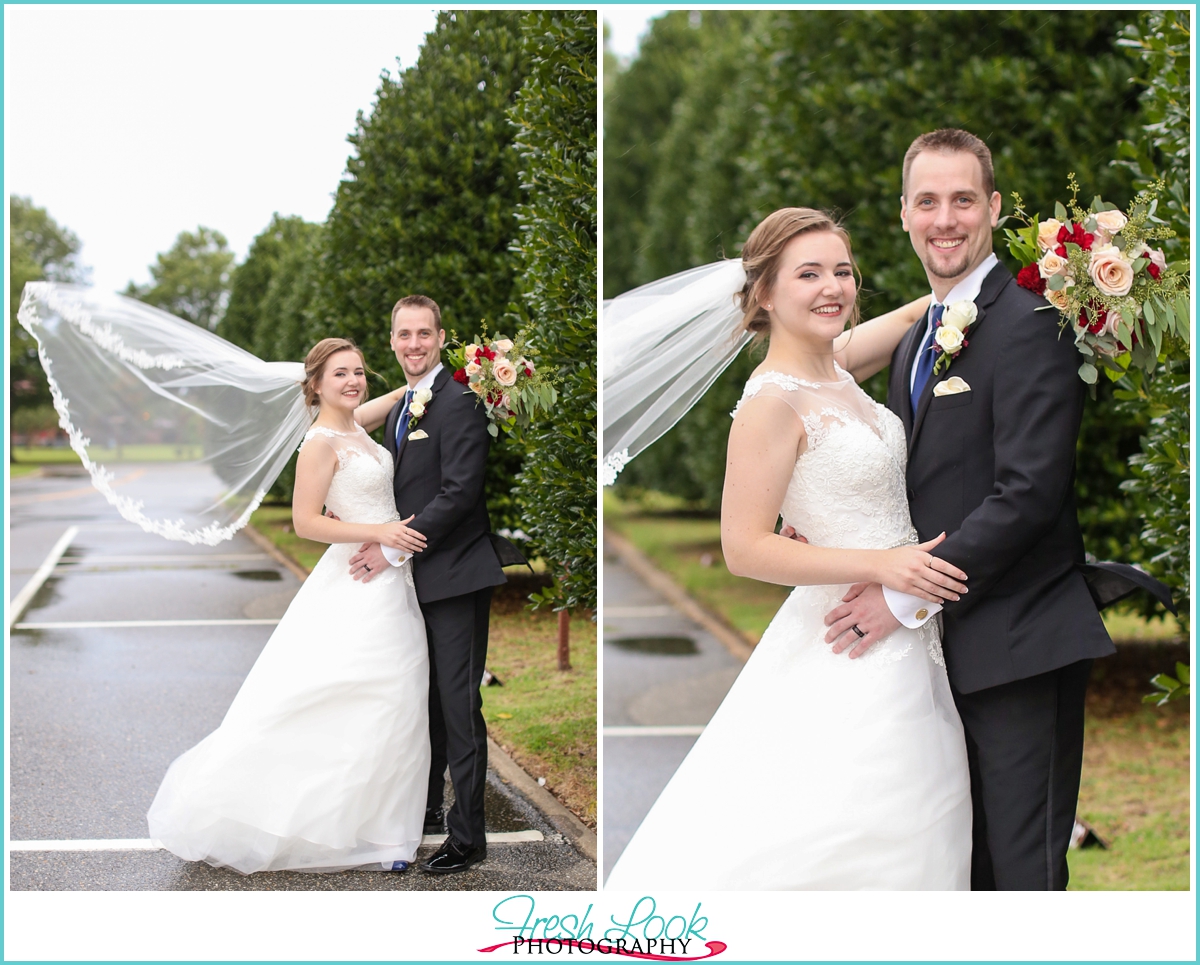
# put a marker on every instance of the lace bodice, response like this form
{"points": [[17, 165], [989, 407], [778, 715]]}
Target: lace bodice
{"points": [[361, 489], [848, 486]]}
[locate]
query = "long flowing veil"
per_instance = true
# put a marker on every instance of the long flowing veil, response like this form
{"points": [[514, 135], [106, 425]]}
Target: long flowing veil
{"points": [[181, 431], [663, 345]]}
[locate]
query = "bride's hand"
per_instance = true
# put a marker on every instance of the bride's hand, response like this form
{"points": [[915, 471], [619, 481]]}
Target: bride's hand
{"points": [[399, 536], [914, 570]]}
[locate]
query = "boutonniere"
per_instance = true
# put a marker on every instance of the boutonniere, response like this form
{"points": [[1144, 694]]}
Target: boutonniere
{"points": [[951, 335], [416, 408]]}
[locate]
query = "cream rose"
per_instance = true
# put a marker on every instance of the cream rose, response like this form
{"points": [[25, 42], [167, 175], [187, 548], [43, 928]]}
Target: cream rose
{"points": [[960, 315], [504, 371], [472, 351], [1110, 271], [1048, 233], [1059, 298], [477, 388], [474, 368], [950, 339], [1110, 222], [416, 410], [422, 396], [1157, 257], [1052, 264], [503, 346]]}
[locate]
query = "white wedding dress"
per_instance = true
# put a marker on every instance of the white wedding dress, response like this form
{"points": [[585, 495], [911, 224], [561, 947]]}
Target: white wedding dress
{"points": [[322, 761], [819, 772]]}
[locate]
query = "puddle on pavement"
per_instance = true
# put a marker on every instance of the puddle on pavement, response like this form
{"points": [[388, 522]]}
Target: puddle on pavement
{"points": [[499, 813], [47, 594], [268, 576], [670, 646]]}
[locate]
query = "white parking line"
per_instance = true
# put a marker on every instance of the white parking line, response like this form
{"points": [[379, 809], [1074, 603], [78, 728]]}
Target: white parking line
{"points": [[193, 558], [29, 590], [150, 844], [639, 612], [660, 730], [106, 624]]}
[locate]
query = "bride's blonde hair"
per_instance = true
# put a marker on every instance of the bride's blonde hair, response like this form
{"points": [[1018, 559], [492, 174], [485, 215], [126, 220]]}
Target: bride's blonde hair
{"points": [[760, 259], [314, 365]]}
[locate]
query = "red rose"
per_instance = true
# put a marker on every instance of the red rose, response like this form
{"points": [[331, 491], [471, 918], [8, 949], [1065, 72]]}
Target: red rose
{"points": [[1077, 236], [1096, 326], [1154, 270], [461, 377], [487, 353], [1029, 277]]}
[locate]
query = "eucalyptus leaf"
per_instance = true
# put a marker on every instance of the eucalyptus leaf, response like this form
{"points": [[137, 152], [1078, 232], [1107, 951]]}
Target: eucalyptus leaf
{"points": [[1060, 212], [1056, 283], [1088, 373]]}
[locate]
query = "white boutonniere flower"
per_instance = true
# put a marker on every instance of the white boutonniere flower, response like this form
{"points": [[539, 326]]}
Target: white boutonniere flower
{"points": [[950, 337], [416, 408]]}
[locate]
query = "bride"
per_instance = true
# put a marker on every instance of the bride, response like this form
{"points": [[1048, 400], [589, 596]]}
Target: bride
{"points": [[848, 762], [322, 761]]}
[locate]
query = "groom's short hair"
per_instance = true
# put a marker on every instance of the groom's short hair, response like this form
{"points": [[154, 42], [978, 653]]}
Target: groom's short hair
{"points": [[418, 301], [950, 140]]}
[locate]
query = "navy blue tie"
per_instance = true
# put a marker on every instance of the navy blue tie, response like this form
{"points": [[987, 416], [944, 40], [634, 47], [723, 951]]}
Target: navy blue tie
{"points": [[402, 422], [926, 359]]}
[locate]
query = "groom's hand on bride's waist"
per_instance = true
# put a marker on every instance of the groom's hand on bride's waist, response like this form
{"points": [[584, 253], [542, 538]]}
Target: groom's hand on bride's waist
{"points": [[862, 620], [368, 562]]}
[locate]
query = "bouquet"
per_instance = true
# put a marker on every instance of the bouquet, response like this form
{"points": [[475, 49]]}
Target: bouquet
{"points": [[1117, 294], [502, 374]]}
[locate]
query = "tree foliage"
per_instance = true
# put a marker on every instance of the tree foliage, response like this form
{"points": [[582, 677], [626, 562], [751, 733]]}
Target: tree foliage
{"points": [[555, 119], [1161, 483], [191, 280], [757, 110], [39, 249]]}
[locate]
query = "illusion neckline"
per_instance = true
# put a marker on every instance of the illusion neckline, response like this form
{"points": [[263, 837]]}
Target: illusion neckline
{"points": [[842, 376]]}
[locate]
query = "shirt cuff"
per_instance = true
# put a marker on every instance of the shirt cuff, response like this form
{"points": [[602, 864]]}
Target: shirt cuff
{"points": [[393, 555], [910, 610]]}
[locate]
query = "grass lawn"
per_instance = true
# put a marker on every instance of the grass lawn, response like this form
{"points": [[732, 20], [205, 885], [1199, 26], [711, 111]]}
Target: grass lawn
{"points": [[18, 469], [43, 455], [1135, 789], [545, 719]]}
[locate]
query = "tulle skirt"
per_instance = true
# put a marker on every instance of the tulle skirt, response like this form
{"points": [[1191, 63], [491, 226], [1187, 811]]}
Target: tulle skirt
{"points": [[817, 772], [322, 761]]}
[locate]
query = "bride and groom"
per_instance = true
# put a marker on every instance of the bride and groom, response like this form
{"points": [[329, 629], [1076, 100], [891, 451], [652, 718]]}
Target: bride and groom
{"points": [[894, 746], [334, 751]]}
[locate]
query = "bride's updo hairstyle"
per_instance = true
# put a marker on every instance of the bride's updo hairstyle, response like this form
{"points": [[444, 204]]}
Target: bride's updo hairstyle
{"points": [[314, 365], [760, 259]]}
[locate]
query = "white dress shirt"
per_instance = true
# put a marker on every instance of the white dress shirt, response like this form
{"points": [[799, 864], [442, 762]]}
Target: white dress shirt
{"points": [[912, 611], [390, 553]]}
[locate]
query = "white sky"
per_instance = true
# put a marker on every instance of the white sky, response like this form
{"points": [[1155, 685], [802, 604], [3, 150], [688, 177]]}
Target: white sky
{"points": [[627, 23], [130, 124]]}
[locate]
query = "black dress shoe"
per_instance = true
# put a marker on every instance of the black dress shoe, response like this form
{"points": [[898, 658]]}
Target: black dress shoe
{"points": [[435, 821], [453, 856]]}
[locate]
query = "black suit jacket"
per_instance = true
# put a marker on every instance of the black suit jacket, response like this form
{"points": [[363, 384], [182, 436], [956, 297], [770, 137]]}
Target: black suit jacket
{"points": [[995, 469], [440, 479]]}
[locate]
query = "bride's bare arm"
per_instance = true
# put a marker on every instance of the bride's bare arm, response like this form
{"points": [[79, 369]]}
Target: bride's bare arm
{"points": [[373, 413], [763, 444], [314, 472], [868, 347]]}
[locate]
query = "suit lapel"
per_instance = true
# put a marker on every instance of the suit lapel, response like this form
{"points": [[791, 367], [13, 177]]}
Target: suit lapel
{"points": [[997, 278], [438, 383], [908, 350], [389, 430]]}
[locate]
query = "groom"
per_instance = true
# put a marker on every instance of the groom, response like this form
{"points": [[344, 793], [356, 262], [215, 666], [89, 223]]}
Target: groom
{"points": [[440, 449], [991, 462]]}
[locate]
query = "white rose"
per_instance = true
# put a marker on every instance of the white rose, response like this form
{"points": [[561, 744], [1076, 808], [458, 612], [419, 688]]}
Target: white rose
{"points": [[416, 410], [1110, 222], [422, 396], [1048, 233], [1059, 298], [1052, 264], [950, 339], [1110, 271], [474, 368], [960, 315], [503, 346]]}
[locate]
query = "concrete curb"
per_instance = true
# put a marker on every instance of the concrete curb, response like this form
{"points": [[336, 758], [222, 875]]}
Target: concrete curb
{"points": [[581, 837], [637, 561], [558, 814], [278, 555]]}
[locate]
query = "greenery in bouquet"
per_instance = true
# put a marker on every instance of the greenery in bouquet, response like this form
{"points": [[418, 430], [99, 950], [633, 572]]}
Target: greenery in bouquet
{"points": [[503, 375], [1099, 267]]}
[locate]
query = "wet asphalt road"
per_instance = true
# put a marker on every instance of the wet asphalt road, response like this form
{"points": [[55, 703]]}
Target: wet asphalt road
{"points": [[98, 713], [664, 676]]}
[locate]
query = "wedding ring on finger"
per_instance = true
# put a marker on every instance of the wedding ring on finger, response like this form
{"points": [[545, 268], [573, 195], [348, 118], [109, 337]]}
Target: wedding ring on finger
{"points": [[858, 631], [367, 568]]}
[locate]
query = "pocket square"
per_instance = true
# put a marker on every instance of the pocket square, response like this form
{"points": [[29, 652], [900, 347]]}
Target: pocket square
{"points": [[951, 386], [418, 434]]}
